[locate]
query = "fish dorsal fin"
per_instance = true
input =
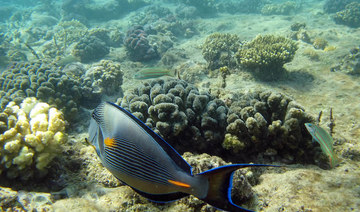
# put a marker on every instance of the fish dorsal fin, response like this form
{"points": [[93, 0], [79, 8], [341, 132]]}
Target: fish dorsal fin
{"points": [[173, 154]]}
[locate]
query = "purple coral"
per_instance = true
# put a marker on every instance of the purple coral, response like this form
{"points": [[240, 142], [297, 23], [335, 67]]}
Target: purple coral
{"points": [[138, 46]]}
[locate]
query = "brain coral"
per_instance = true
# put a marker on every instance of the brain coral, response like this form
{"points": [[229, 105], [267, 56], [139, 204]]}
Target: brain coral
{"points": [[270, 125], [219, 49], [31, 137], [185, 117], [266, 55]]}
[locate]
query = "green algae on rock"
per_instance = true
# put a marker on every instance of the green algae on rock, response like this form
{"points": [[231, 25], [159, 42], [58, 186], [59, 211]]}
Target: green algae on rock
{"points": [[265, 55], [219, 49]]}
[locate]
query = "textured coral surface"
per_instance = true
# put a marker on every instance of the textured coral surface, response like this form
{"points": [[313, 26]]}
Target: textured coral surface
{"points": [[32, 135]]}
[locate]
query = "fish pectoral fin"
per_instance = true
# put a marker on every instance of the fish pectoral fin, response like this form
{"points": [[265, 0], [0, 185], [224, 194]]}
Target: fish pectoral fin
{"points": [[161, 198], [178, 183]]}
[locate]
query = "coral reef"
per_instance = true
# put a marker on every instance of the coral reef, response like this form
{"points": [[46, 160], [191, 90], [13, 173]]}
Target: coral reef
{"points": [[158, 20], [137, 45], [44, 81], [243, 6], [350, 63], [333, 6], [31, 137], [298, 32], [104, 77], [265, 55], [286, 8], [90, 48], [67, 88], [98, 10], [179, 113], [270, 125], [219, 49], [205, 7], [66, 33], [350, 16]]}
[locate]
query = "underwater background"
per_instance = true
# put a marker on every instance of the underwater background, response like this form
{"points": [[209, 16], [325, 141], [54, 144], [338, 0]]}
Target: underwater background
{"points": [[222, 81]]}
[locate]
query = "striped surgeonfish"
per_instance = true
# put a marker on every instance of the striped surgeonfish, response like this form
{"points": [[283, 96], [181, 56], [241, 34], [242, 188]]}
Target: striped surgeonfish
{"points": [[140, 158]]}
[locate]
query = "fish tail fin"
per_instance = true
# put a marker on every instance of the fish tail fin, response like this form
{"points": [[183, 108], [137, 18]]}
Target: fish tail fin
{"points": [[220, 184], [334, 160]]}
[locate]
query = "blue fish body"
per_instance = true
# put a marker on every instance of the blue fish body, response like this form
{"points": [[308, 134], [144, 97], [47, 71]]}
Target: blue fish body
{"points": [[140, 158]]}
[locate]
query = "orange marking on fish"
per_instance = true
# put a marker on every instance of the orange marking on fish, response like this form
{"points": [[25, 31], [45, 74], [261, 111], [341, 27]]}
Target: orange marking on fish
{"points": [[109, 142], [177, 183]]}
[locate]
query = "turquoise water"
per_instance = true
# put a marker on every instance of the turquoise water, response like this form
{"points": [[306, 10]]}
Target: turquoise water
{"points": [[246, 75]]}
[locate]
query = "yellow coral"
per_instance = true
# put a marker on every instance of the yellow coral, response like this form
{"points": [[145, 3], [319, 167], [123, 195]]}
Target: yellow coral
{"points": [[34, 137]]}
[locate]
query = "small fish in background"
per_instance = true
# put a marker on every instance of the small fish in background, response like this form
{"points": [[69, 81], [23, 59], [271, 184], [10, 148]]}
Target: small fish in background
{"points": [[141, 159], [325, 140], [153, 72]]}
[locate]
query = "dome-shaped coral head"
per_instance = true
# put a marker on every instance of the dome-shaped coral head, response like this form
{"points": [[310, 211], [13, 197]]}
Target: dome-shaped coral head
{"points": [[266, 55], [137, 45]]}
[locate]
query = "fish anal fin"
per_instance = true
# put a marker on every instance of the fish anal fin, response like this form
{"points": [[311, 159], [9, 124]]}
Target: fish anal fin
{"points": [[161, 198]]}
